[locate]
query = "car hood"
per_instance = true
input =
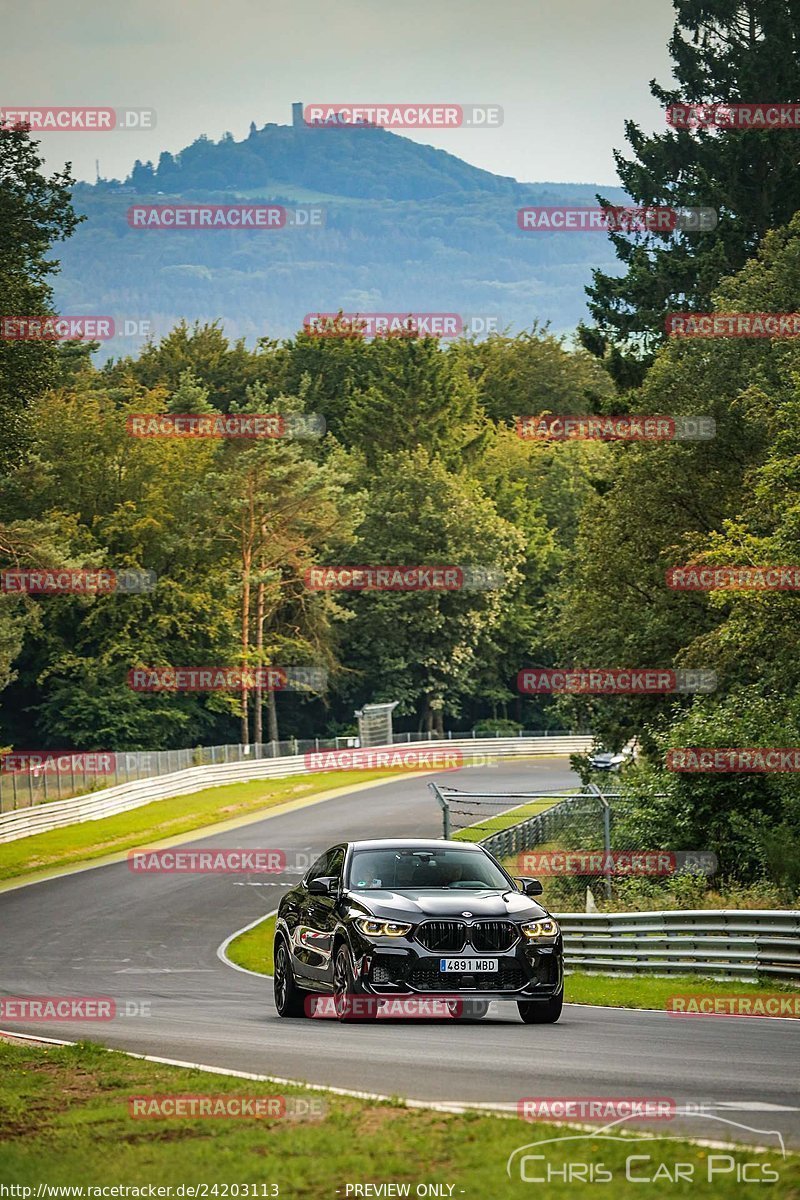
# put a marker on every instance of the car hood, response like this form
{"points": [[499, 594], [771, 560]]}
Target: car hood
{"points": [[416, 904]]}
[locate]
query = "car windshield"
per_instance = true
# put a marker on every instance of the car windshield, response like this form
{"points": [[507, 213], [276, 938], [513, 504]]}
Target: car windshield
{"points": [[412, 869]]}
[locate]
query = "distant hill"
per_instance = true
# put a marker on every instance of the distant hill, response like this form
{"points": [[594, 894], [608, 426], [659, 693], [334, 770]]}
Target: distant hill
{"points": [[407, 228], [364, 164]]}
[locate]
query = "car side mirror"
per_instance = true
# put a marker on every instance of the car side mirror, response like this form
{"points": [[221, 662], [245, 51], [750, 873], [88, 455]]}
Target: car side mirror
{"points": [[531, 887], [323, 885]]}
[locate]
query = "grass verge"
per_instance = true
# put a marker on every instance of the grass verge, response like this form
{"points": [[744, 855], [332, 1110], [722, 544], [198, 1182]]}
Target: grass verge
{"points": [[648, 991], [165, 819], [65, 1121], [253, 949], [494, 824]]}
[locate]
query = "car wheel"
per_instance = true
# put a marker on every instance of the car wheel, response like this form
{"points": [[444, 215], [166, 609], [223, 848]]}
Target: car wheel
{"points": [[289, 998], [350, 1006], [541, 1012]]}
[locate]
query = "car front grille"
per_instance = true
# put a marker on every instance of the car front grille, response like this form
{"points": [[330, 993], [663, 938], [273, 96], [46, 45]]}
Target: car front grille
{"points": [[425, 976], [454, 935], [493, 935], [442, 935]]}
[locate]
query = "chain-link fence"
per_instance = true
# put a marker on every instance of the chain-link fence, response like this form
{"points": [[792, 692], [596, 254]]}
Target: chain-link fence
{"points": [[476, 816], [28, 778], [581, 845]]}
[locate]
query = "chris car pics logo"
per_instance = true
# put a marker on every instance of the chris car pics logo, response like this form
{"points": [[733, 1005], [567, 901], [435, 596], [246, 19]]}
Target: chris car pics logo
{"points": [[615, 1154]]}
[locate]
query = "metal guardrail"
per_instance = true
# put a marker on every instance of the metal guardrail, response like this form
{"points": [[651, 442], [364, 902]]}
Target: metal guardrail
{"points": [[23, 789], [36, 785], [731, 944], [122, 798], [722, 943]]}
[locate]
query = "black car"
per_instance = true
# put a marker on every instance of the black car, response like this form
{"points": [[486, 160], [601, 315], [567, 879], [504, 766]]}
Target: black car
{"points": [[412, 917]]}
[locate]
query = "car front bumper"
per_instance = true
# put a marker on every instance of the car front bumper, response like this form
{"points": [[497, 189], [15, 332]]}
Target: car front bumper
{"points": [[527, 971]]}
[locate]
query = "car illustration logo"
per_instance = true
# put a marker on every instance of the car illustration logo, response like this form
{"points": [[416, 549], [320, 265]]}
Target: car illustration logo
{"points": [[466, 914]]}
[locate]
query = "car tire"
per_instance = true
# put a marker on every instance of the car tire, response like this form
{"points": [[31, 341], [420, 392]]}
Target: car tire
{"points": [[346, 994], [541, 1012], [290, 1000]]}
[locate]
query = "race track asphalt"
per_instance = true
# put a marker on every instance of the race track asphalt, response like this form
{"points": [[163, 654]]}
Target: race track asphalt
{"points": [[152, 940]]}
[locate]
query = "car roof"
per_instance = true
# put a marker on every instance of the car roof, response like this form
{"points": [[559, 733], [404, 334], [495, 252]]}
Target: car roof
{"points": [[413, 844]]}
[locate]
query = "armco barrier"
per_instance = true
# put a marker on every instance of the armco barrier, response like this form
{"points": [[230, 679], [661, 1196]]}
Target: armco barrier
{"points": [[24, 788], [124, 797], [733, 944]]}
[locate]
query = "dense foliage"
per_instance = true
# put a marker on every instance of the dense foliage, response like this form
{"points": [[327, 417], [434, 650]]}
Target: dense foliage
{"points": [[724, 52], [422, 463]]}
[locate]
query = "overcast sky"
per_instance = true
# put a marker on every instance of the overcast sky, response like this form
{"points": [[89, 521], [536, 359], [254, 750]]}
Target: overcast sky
{"points": [[567, 73]]}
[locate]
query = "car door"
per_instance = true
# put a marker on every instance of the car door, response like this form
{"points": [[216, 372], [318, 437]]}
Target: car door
{"points": [[318, 919], [303, 951]]}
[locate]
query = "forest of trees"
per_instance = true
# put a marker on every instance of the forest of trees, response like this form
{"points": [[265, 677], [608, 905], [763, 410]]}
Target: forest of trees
{"points": [[422, 463]]}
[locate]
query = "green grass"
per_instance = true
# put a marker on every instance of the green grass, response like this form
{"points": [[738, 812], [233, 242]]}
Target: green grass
{"points": [[482, 829], [64, 1120], [647, 991], [253, 949], [165, 819]]}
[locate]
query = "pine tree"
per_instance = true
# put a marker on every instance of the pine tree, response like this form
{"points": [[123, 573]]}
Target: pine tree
{"points": [[35, 212], [725, 51]]}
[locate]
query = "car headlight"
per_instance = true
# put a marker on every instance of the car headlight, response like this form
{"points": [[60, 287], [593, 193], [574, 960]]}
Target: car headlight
{"points": [[372, 928], [540, 931]]}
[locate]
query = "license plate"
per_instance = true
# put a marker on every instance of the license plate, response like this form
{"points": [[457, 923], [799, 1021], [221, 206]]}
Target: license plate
{"points": [[468, 966]]}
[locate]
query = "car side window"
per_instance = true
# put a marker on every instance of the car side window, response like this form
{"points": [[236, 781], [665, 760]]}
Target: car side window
{"points": [[320, 867], [335, 864]]}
